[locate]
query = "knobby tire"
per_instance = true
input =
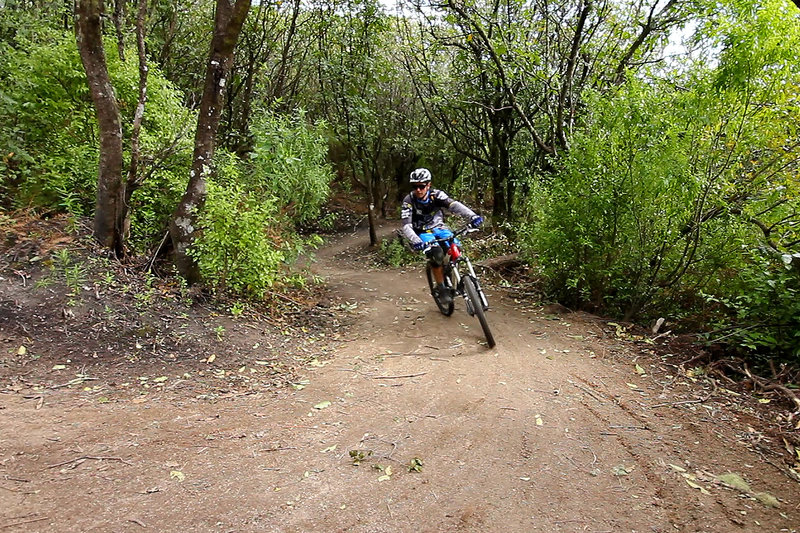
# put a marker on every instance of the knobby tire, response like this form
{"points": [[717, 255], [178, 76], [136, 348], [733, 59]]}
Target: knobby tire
{"points": [[476, 304]]}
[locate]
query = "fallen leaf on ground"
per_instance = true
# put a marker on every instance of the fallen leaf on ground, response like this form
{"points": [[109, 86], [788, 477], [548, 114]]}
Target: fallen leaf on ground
{"points": [[322, 405], [734, 481], [415, 465], [767, 499], [359, 455], [621, 470], [177, 474], [696, 486]]}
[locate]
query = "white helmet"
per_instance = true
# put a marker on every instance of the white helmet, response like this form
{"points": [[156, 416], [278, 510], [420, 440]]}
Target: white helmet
{"points": [[421, 175]]}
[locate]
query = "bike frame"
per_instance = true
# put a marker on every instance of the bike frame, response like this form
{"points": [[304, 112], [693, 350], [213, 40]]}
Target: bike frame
{"points": [[455, 257], [464, 284]]}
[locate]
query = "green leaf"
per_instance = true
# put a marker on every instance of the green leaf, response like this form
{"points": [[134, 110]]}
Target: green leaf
{"points": [[415, 465]]}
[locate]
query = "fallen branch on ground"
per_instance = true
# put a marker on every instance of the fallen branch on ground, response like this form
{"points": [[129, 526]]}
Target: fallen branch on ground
{"points": [[93, 457], [767, 385], [400, 377], [503, 261], [15, 524]]}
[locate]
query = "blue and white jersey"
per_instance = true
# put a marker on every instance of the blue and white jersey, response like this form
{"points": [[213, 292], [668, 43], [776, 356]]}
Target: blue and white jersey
{"points": [[427, 214]]}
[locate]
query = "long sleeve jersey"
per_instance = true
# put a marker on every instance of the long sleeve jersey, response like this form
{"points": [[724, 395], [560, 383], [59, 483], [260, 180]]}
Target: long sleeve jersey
{"points": [[422, 215]]}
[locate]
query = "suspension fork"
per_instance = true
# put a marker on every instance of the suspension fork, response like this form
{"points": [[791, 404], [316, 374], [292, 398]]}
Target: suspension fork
{"points": [[471, 271], [455, 276]]}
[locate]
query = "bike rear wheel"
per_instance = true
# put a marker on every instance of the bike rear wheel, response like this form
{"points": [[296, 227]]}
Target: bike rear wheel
{"points": [[475, 304], [446, 309]]}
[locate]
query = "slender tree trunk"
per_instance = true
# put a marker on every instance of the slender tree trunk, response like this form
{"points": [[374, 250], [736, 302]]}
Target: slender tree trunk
{"points": [[110, 189], [119, 20], [228, 22], [135, 176], [498, 195], [68, 13]]}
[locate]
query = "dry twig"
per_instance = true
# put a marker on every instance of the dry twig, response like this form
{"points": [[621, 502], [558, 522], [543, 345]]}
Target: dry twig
{"points": [[400, 377], [767, 385], [15, 524], [93, 457]]}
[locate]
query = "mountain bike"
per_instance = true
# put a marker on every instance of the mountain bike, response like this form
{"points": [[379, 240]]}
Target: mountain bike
{"points": [[465, 285]]}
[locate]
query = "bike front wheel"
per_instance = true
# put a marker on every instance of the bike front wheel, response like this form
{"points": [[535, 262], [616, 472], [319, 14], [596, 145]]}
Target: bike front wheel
{"points": [[475, 304]]}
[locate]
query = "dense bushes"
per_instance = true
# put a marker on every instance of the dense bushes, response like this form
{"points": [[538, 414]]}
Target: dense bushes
{"points": [[49, 134], [661, 207], [48, 141], [47, 138], [253, 207]]}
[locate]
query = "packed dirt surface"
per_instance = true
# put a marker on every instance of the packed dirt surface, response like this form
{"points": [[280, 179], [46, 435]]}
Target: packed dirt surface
{"points": [[403, 421]]}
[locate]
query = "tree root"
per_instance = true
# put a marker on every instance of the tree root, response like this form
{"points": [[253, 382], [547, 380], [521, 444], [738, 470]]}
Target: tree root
{"points": [[768, 385]]}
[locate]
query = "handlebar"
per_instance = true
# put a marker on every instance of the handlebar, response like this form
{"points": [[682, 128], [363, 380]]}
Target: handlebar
{"points": [[466, 229]]}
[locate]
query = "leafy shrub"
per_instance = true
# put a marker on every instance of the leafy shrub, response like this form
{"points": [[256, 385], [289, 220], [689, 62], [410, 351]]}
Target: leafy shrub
{"points": [[47, 134], [395, 253], [289, 163], [49, 138], [248, 233], [239, 248], [665, 196], [611, 228], [760, 306]]}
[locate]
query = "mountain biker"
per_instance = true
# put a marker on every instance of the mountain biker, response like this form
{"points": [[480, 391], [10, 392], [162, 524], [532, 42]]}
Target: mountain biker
{"points": [[423, 221]]}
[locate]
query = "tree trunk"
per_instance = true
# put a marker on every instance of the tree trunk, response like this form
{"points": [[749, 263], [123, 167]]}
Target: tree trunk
{"points": [[135, 176], [108, 218], [119, 18], [227, 25]]}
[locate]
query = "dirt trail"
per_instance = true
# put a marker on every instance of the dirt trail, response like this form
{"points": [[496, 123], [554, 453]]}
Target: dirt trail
{"points": [[552, 430]]}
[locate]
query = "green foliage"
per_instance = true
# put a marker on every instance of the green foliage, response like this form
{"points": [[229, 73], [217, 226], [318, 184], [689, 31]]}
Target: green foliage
{"points": [[667, 194], [239, 249], [48, 140], [761, 311], [289, 163], [166, 145], [253, 206], [66, 269], [755, 39], [612, 226], [395, 253]]}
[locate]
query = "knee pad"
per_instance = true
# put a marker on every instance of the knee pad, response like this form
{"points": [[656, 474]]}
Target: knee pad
{"points": [[436, 256]]}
